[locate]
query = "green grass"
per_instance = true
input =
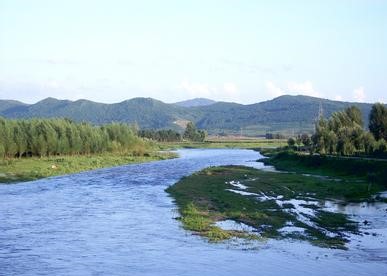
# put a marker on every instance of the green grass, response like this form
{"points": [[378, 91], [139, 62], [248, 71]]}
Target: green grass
{"points": [[206, 192], [201, 222], [26, 169], [372, 171]]}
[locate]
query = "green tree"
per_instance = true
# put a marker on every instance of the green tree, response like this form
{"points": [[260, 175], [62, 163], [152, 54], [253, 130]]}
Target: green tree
{"points": [[380, 146], [354, 114], [190, 131], [320, 137], [305, 139], [331, 144], [193, 134], [45, 137], [369, 143], [19, 136], [2, 150], [378, 121], [291, 142]]}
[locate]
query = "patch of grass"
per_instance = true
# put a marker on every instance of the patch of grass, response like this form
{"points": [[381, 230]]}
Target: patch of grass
{"points": [[334, 222], [208, 192], [199, 221], [202, 222], [195, 220], [27, 169]]}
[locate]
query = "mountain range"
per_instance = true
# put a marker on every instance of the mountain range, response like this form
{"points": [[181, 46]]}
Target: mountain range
{"points": [[285, 114], [195, 102]]}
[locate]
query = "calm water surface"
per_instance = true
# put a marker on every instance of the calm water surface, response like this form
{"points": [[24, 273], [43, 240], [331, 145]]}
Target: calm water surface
{"points": [[119, 221]]}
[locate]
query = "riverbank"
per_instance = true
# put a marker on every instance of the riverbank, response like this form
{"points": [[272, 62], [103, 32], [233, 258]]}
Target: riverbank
{"points": [[118, 213], [27, 169], [370, 170], [269, 204], [225, 143]]}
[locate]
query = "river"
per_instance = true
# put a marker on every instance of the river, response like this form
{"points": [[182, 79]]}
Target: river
{"points": [[120, 221]]}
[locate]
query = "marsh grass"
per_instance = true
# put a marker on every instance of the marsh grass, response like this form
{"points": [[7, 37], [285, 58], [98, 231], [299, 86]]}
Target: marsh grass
{"points": [[353, 169], [203, 199]]}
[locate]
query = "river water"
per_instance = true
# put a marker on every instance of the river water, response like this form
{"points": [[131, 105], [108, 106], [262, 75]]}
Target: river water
{"points": [[119, 221]]}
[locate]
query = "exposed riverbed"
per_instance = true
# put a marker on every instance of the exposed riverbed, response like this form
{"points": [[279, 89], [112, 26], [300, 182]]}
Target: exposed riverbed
{"points": [[120, 221]]}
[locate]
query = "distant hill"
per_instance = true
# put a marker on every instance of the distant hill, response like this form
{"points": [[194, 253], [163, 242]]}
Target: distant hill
{"points": [[195, 102], [285, 114], [7, 104], [146, 112]]}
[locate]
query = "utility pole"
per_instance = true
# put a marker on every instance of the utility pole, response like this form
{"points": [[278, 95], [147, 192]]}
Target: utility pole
{"points": [[320, 113]]}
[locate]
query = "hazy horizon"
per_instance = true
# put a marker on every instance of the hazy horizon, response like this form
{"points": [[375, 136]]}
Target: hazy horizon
{"points": [[184, 100], [235, 51]]}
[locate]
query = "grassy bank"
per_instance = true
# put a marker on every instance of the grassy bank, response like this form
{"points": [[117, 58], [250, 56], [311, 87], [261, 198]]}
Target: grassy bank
{"points": [[269, 202], [26, 169], [219, 143], [373, 171]]}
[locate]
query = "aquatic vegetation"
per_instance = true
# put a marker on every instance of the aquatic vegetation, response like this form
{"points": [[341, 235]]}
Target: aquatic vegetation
{"points": [[276, 205], [201, 222]]}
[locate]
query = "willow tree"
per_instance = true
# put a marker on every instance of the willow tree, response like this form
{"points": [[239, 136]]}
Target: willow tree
{"points": [[342, 133], [378, 121]]}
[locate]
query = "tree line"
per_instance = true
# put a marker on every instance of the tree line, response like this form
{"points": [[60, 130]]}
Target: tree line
{"points": [[46, 137], [163, 135], [191, 133], [271, 136], [344, 133]]}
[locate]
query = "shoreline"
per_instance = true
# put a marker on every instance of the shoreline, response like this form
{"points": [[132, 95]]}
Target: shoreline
{"points": [[16, 170], [293, 204]]}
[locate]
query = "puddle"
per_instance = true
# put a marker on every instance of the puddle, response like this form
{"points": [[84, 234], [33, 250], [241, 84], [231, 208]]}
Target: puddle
{"points": [[242, 192], [231, 225], [237, 184], [322, 177], [382, 194], [291, 229]]}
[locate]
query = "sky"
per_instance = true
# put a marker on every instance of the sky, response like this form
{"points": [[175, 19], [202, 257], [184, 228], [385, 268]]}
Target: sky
{"points": [[232, 50]]}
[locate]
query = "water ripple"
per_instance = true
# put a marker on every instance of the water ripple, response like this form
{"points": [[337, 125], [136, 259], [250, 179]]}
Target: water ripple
{"points": [[119, 221]]}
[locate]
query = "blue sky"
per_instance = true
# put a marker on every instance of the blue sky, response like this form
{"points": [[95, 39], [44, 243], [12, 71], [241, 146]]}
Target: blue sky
{"points": [[242, 51]]}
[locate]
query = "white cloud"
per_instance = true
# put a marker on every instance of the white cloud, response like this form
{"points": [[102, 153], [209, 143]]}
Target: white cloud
{"points": [[358, 94], [51, 84], [227, 91], [303, 88], [338, 98], [230, 89], [292, 88], [274, 90], [195, 89]]}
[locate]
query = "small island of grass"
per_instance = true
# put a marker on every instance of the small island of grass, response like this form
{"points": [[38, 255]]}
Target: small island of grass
{"points": [[276, 205]]}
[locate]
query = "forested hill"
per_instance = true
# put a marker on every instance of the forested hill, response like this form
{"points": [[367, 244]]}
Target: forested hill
{"points": [[283, 114], [146, 112], [195, 102]]}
